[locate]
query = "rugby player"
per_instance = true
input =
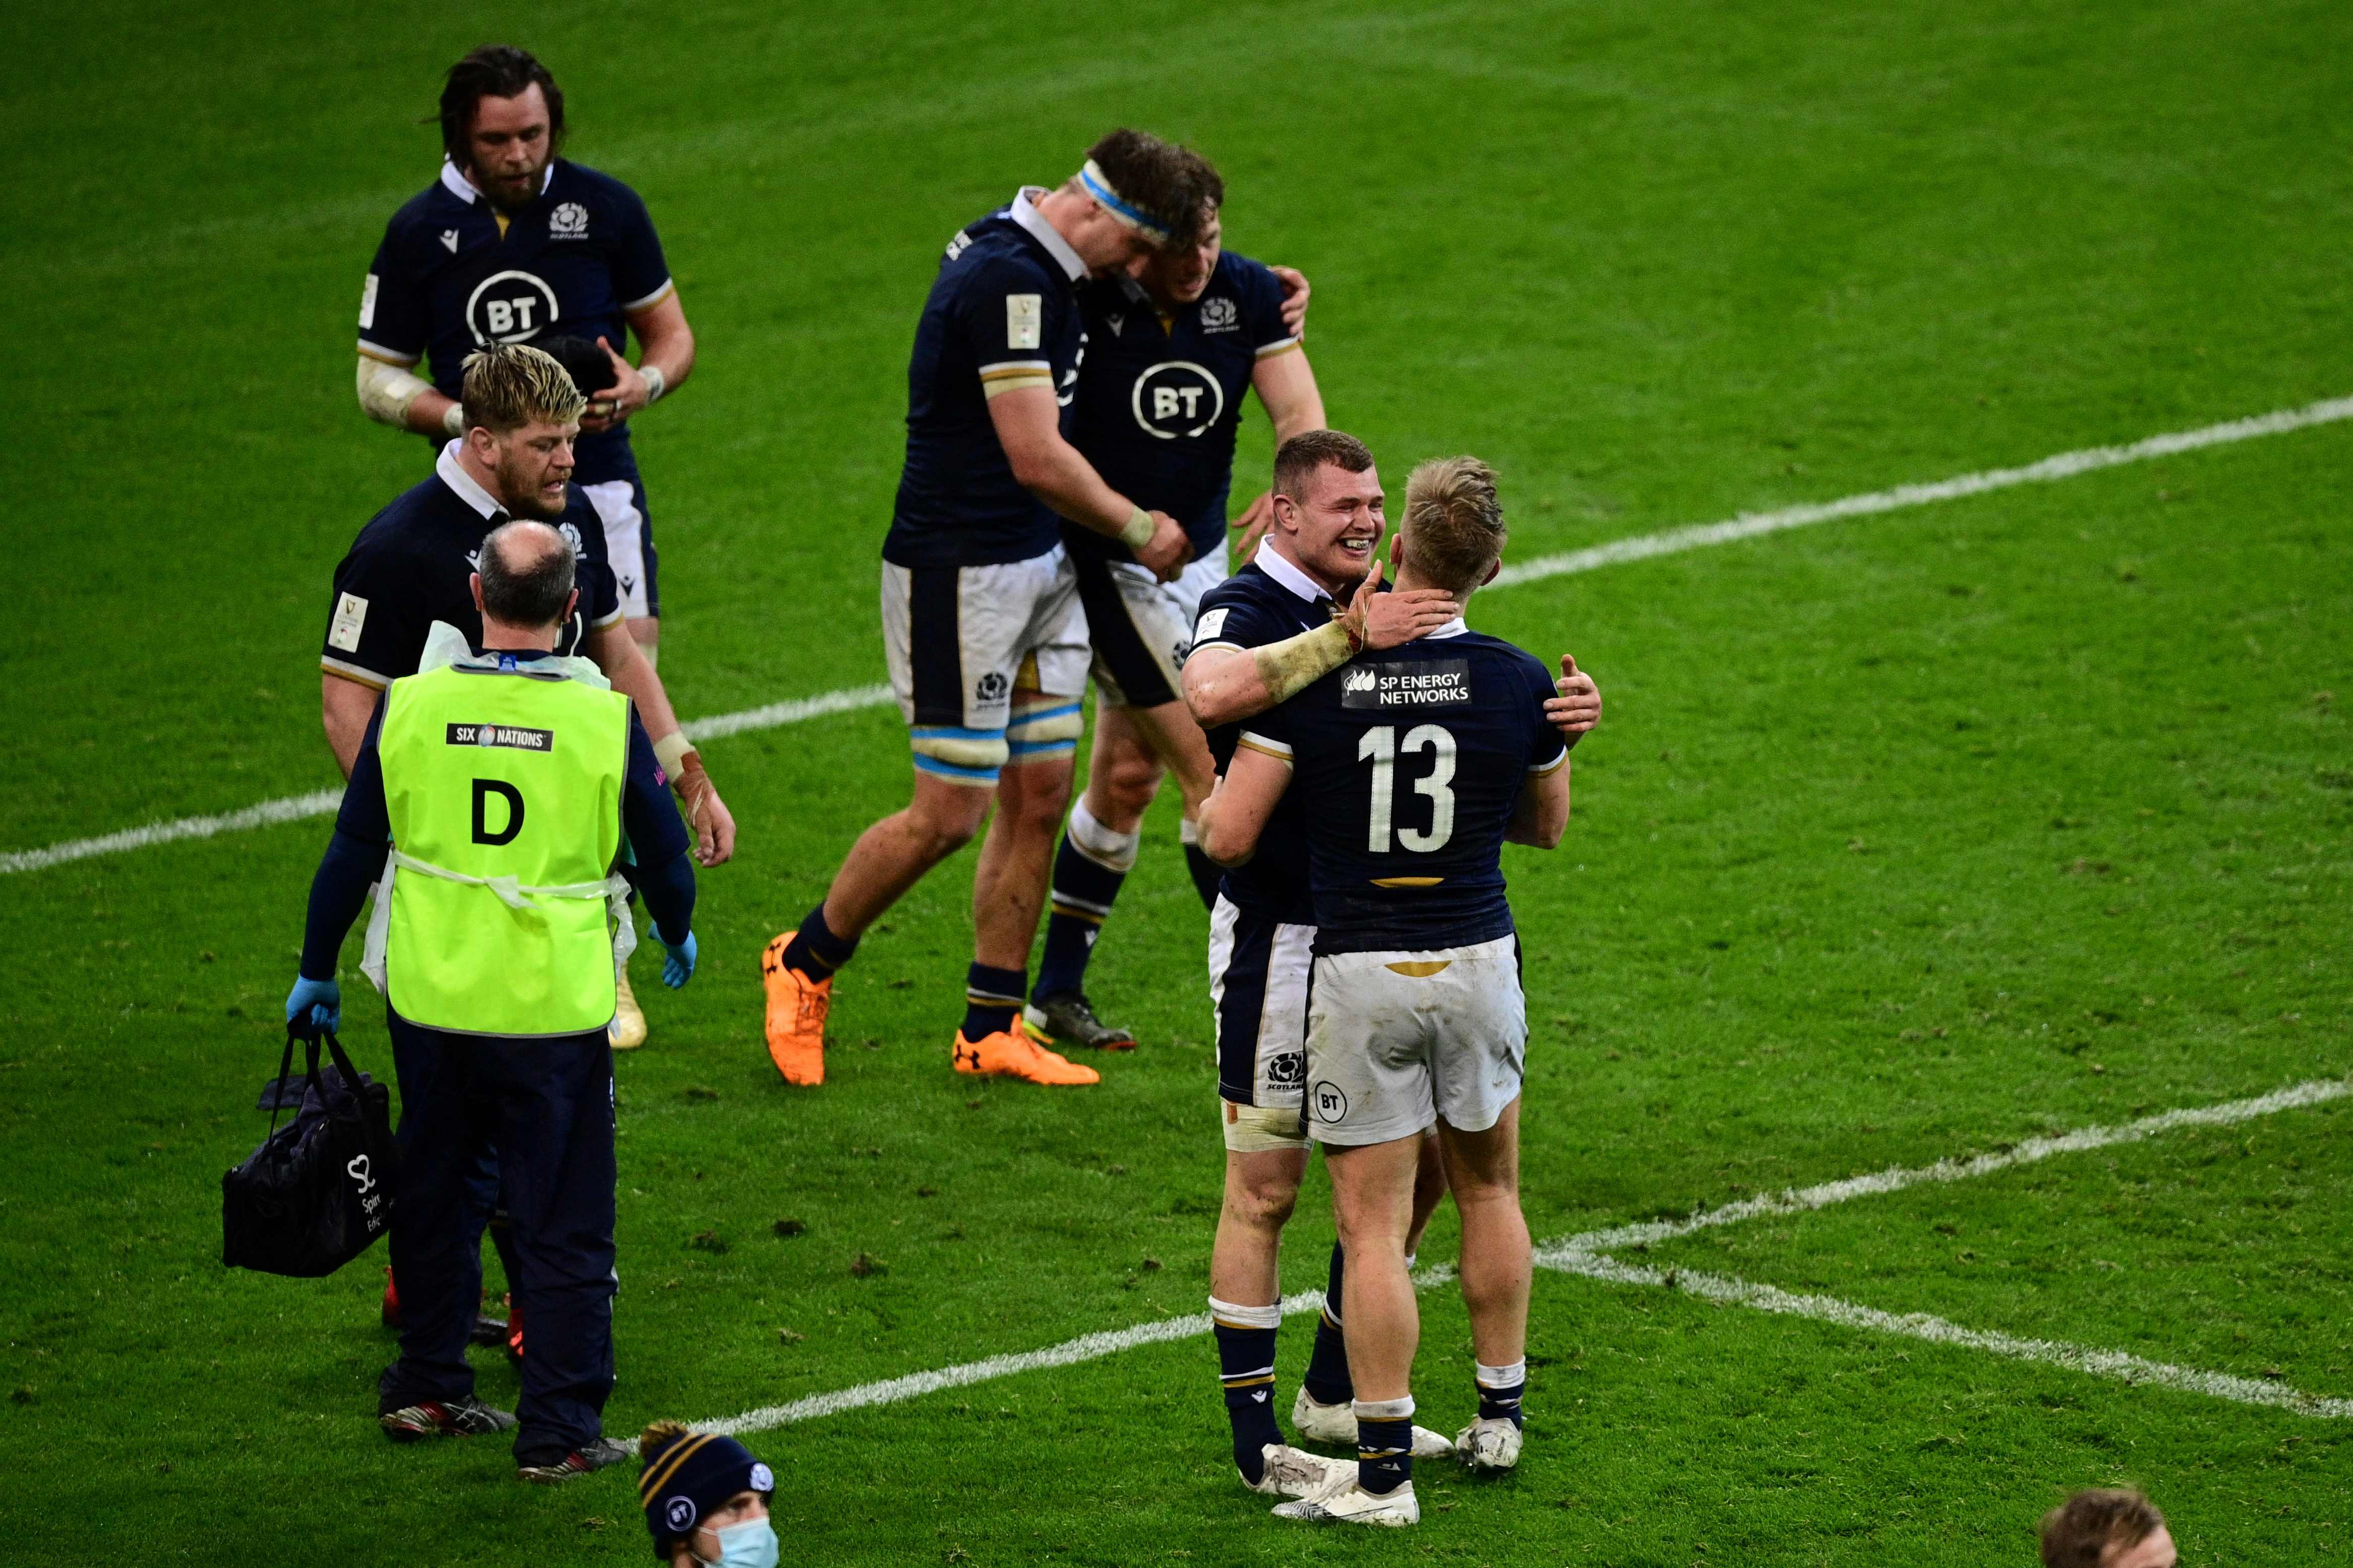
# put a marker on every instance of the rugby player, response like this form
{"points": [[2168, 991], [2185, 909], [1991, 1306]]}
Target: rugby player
{"points": [[510, 244], [1172, 347], [986, 640], [1411, 770]]}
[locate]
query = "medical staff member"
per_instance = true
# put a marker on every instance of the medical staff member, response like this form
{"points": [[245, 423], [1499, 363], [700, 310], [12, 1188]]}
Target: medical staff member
{"points": [[503, 780]]}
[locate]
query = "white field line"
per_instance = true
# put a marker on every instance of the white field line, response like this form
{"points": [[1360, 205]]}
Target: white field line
{"points": [[2116, 1364], [1577, 1256], [2065, 466], [1650, 1233], [1747, 525]]}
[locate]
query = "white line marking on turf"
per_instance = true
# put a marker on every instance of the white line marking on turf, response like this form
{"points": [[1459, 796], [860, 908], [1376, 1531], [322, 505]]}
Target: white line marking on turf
{"points": [[292, 808], [2065, 466], [2116, 1364], [892, 1390], [1748, 525], [1650, 1233], [1577, 1255]]}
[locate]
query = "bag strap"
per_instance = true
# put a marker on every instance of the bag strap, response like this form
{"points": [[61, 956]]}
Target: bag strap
{"points": [[343, 1065], [285, 1070]]}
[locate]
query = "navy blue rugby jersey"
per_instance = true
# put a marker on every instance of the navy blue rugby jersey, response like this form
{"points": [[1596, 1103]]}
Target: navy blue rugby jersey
{"points": [[1406, 767], [451, 278], [1002, 314], [409, 566], [1265, 602], [1160, 399]]}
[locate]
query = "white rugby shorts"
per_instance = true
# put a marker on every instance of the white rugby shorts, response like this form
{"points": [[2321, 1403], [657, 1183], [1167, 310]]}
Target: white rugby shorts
{"points": [[1142, 627], [1397, 1040], [989, 663]]}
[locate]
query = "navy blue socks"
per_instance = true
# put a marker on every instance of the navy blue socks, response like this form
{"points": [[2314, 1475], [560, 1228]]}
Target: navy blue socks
{"points": [[1384, 1444], [1500, 1390], [1327, 1381], [991, 998], [814, 951], [1246, 1367]]}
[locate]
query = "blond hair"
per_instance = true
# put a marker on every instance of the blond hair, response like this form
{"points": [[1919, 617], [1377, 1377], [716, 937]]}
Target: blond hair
{"points": [[1453, 527], [510, 385]]}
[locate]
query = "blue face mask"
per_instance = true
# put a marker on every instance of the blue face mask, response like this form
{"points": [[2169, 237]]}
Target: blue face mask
{"points": [[751, 1544]]}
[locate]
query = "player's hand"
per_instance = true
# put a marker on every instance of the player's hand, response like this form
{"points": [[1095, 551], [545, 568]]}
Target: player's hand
{"points": [[706, 813], [1165, 554], [619, 401], [1294, 300], [1578, 707], [1386, 620], [1253, 523], [678, 967], [313, 1006]]}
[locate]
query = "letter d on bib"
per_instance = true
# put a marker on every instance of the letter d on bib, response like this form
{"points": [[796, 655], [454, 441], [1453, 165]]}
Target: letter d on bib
{"points": [[483, 790]]}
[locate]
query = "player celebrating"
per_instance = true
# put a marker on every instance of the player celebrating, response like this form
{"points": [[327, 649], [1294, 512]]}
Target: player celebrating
{"points": [[985, 639], [1413, 769], [1171, 349], [512, 244]]}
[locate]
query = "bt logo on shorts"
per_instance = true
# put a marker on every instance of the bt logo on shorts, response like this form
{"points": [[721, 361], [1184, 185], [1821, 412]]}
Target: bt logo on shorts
{"points": [[1177, 398], [510, 308], [1331, 1104], [991, 687]]}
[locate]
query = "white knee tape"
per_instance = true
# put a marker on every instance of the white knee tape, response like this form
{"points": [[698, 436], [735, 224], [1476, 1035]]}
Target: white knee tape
{"points": [[960, 748], [1112, 851], [1239, 1317], [1060, 721]]}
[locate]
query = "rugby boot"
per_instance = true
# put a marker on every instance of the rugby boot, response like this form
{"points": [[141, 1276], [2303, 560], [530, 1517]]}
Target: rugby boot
{"points": [[627, 1029], [1337, 1424], [489, 1330], [553, 1467], [1490, 1444], [391, 1312], [1007, 1055], [510, 1332], [1069, 1019], [1343, 1502], [466, 1417], [1295, 1472], [796, 1009]]}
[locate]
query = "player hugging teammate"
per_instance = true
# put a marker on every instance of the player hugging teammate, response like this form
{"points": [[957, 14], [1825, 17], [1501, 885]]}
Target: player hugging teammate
{"points": [[1409, 769]]}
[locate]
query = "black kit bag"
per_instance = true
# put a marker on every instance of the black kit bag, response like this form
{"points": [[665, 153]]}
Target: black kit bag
{"points": [[317, 1192]]}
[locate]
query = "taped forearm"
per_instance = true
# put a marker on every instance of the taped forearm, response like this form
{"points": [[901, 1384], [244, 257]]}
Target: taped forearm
{"points": [[1289, 667], [388, 392]]}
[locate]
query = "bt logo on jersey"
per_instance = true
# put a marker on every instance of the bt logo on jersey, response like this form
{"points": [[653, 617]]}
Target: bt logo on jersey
{"points": [[510, 308], [1178, 398]]}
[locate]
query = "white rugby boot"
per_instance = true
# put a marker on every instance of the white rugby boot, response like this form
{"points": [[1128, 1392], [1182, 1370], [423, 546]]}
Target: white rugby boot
{"points": [[1343, 1502], [1490, 1444], [1336, 1424], [1294, 1472]]}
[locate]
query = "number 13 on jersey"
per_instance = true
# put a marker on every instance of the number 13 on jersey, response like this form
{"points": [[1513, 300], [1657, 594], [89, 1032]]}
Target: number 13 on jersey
{"points": [[1381, 746]]}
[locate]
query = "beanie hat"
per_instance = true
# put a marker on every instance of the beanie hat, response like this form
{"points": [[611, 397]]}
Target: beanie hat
{"points": [[689, 1475]]}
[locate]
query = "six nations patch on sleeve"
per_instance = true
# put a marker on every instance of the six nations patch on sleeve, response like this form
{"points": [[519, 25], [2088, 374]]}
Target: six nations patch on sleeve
{"points": [[1409, 688], [502, 735]]}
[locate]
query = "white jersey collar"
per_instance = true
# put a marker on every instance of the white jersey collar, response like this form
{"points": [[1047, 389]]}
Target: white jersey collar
{"points": [[458, 186], [1025, 213], [451, 472], [1453, 629], [1279, 566]]}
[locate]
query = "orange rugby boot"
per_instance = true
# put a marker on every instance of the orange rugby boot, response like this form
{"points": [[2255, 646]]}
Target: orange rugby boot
{"points": [[796, 1009], [1009, 1055]]}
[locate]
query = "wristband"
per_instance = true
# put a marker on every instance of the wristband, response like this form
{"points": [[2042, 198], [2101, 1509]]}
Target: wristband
{"points": [[1139, 530], [453, 420], [1289, 667], [656, 382], [672, 752]]}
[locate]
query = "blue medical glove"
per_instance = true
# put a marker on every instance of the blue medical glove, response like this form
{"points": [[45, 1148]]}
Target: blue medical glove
{"points": [[678, 967], [316, 1004]]}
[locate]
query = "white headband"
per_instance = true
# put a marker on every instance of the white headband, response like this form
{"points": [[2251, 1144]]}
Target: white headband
{"points": [[1133, 216]]}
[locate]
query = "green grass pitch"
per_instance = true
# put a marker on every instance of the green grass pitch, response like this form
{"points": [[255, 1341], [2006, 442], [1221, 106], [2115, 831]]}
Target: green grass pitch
{"points": [[1904, 837]]}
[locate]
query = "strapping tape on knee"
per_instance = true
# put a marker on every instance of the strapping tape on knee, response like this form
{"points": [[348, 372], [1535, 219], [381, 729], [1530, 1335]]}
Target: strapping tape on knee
{"points": [[967, 755], [1035, 726]]}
